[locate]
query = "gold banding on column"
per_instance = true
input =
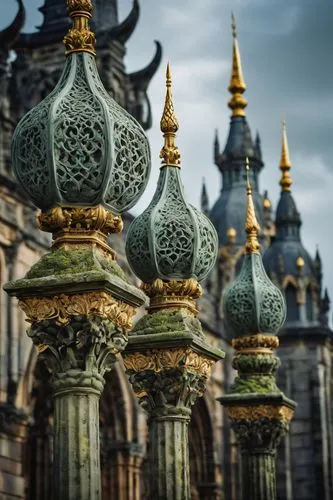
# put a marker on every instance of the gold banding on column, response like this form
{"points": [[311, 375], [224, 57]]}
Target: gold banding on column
{"points": [[80, 38], [173, 294], [258, 412], [63, 307], [81, 227]]}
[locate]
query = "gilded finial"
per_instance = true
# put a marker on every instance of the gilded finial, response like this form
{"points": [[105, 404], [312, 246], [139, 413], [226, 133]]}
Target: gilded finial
{"points": [[252, 227], [267, 204], [300, 263], [79, 37], [169, 126], [237, 85], [285, 163], [231, 234]]}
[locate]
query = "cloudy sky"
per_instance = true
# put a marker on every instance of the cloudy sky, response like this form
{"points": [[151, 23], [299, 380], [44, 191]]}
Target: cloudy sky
{"points": [[286, 48]]}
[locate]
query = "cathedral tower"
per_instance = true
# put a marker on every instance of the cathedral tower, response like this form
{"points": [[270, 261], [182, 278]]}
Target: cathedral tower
{"points": [[305, 352]]}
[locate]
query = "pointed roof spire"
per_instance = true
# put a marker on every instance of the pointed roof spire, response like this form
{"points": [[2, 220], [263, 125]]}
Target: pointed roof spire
{"points": [[237, 85], [252, 227], [216, 147], [257, 145], [169, 126], [204, 198], [285, 163]]}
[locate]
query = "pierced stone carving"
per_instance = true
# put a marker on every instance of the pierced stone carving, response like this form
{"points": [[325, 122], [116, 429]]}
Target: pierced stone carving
{"points": [[252, 303], [81, 135], [172, 239]]}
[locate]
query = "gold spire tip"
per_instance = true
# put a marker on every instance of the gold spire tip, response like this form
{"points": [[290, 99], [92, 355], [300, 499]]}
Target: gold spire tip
{"points": [[169, 126], [237, 85], [79, 37], [252, 227], [285, 163]]}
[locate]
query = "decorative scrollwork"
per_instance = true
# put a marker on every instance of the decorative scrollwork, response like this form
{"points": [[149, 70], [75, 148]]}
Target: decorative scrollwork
{"points": [[157, 360], [63, 307], [256, 343], [252, 303], [257, 412], [80, 218]]}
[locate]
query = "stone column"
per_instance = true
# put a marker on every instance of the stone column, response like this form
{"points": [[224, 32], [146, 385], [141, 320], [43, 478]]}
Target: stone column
{"points": [[80, 308], [259, 412], [168, 362]]}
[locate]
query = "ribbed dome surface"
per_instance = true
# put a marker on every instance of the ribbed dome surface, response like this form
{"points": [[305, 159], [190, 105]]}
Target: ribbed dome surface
{"points": [[78, 147]]}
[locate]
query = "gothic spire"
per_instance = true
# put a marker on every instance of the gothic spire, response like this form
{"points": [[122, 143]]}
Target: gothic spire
{"points": [[257, 146], [237, 85], [216, 147], [169, 126], [204, 198], [285, 163], [9, 34]]}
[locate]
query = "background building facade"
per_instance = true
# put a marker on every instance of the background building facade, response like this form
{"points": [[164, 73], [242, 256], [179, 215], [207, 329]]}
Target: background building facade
{"points": [[306, 458]]}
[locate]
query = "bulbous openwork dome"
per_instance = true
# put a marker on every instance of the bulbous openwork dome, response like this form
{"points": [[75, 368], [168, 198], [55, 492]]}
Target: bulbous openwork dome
{"points": [[252, 304], [171, 239], [78, 147]]}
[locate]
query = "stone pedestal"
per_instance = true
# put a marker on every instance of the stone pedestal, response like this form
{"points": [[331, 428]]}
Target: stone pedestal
{"points": [[80, 307], [168, 362], [260, 414]]}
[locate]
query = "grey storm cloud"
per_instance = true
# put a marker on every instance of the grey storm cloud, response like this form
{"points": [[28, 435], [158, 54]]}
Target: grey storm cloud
{"points": [[286, 50]]}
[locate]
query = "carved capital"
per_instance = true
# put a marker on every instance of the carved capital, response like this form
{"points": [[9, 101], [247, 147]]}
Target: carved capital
{"points": [[167, 378], [80, 352], [259, 429], [62, 308], [173, 294]]}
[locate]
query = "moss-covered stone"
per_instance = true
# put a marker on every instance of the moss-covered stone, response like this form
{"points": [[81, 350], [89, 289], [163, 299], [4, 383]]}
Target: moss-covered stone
{"points": [[167, 322], [255, 384], [75, 261]]}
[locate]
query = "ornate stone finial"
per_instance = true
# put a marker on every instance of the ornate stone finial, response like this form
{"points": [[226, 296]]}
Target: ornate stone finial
{"points": [[169, 126], [252, 227], [237, 85], [80, 38], [285, 163]]}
